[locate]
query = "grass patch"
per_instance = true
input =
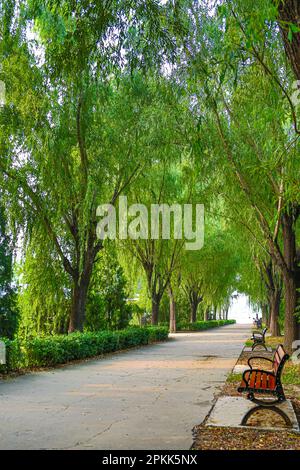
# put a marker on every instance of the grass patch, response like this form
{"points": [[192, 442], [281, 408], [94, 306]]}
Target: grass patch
{"points": [[232, 378], [291, 374]]}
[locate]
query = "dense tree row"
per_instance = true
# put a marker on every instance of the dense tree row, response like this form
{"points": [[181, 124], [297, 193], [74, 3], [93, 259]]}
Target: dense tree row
{"points": [[161, 102]]}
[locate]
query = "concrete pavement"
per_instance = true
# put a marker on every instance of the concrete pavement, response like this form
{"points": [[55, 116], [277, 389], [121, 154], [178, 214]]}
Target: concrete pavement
{"points": [[146, 398]]}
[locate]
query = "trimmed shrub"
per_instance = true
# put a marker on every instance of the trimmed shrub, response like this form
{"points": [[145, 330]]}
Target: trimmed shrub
{"points": [[14, 355], [52, 350], [203, 325]]}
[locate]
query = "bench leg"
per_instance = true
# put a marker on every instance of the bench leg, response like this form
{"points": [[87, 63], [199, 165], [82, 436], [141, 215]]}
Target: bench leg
{"points": [[273, 408], [262, 402]]}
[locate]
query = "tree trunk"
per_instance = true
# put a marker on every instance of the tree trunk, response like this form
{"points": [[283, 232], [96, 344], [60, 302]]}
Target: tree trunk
{"points": [[226, 313], [214, 313], [275, 299], [289, 12], [193, 307], [298, 293], [80, 292], [155, 310], [274, 288], [264, 311], [206, 312], [79, 298], [290, 324], [194, 298], [172, 311], [290, 284], [268, 318]]}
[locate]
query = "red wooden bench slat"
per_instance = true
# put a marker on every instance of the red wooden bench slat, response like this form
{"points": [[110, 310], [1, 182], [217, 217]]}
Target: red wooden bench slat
{"points": [[271, 382], [252, 380], [264, 381], [258, 380], [243, 383]]}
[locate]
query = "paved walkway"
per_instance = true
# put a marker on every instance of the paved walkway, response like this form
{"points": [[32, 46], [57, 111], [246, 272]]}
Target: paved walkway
{"points": [[147, 398]]}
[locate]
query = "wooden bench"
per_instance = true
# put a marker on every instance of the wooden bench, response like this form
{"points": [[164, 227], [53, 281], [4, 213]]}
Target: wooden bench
{"points": [[267, 382], [258, 338]]}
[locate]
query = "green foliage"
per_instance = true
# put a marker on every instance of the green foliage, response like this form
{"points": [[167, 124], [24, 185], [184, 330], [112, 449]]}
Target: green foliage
{"points": [[109, 98], [79, 113], [14, 355], [60, 349], [44, 292], [213, 270], [291, 374], [106, 306]]}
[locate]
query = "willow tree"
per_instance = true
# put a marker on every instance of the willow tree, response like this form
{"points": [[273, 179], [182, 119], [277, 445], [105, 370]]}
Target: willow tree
{"points": [[158, 256], [258, 275], [192, 281], [44, 306], [214, 269], [258, 27], [260, 39], [245, 130], [71, 128]]}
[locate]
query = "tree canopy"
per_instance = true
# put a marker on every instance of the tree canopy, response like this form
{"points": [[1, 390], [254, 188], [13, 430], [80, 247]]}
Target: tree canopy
{"points": [[165, 103]]}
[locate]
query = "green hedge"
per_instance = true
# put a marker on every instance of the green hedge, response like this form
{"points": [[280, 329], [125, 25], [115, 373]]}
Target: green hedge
{"points": [[13, 355], [203, 325], [52, 350]]}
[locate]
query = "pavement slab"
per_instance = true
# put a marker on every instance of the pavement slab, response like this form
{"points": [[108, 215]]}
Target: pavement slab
{"points": [[230, 411]]}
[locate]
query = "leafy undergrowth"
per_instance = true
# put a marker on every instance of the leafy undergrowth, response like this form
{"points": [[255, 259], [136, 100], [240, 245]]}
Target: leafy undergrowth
{"points": [[273, 341]]}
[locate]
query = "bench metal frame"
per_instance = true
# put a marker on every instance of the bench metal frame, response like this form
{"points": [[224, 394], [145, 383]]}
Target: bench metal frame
{"points": [[277, 391], [258, 338]]}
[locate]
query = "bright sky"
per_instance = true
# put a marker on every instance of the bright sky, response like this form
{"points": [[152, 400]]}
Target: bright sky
{"points": [[240, 310]]}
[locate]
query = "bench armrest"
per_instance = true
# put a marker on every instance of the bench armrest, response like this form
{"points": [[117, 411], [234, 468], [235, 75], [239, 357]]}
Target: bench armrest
{"points": [[244, 378], [258, 357]]}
